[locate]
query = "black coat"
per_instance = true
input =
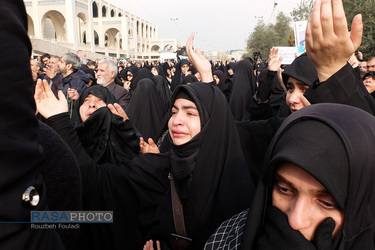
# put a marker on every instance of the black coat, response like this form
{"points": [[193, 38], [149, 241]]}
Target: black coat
{"points": [[21, 156]]}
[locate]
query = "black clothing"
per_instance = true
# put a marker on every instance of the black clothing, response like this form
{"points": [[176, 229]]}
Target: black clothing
{"points": [[189, 79], [146, 109], [141, 74], [105, 188], [105, 136], [162, 87], [343, 164], [61, 174], [223, 84], [212, 179], [244, 87], [21, 155]]}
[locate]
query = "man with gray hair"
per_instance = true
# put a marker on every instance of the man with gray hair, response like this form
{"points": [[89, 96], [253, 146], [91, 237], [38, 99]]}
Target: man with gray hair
{"points": [[107, 71], [74, 80]]}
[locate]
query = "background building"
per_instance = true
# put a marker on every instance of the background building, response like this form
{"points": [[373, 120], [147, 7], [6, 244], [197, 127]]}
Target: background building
{"points": [[98, 27]]}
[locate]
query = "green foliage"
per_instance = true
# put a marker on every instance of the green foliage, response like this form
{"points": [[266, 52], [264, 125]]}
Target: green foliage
{"points": [[303, 10], [264, 37], [367, 9]]}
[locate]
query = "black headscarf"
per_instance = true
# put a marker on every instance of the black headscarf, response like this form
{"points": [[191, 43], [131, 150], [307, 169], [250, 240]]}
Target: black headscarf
{"points": [[141, 74], [105, 137], [334, 144], [222, 84], [124, 73], [302, 70], [189, 79], [159, 69], [244, 87], [218, 183], [162, 87], [146, 109]]}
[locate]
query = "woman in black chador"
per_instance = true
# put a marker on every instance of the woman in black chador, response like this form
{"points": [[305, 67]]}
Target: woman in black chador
{"points": [[206, 162], [317, 191]]}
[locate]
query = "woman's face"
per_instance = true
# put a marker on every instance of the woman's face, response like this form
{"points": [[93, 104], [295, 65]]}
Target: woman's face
{"points": [[129, 75], [89, 105], [154, 71], [185, 122], [304, 200], [295, 94], [216, 78]]}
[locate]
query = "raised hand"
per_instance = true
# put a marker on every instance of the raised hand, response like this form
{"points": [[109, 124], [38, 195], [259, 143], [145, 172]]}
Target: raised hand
{"points": [[149, 147], [46, 102], [328, 43], [118, 110], [274, 63], [198, 60]]}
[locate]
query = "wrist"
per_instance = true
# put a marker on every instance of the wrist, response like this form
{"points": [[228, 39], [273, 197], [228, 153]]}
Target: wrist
{"points": [[328, 71]]}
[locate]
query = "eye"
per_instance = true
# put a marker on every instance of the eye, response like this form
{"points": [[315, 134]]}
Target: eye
{"points": [[283, 188]]}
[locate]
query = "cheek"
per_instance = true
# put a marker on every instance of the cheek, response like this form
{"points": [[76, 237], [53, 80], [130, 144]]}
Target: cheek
{"points": [[279, 202], [194, 126], [82, 111]]}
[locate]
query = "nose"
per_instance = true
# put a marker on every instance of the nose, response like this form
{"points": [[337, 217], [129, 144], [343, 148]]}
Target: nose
{"points": [[177, 119], [299, 215], [295, 97], [92, 104]]}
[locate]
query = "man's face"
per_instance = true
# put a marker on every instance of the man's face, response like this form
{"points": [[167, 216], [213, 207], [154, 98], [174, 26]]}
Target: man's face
{"points": [[62, 67], [184, 69], [369, 83], [104, 77], [45, 61], [363, 66], [53, 63], [371, 65]]}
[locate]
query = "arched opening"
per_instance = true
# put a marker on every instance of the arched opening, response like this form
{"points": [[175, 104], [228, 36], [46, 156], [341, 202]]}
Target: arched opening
{"points": [[94, 9], [151, 36], [143, 48], [112, 38], [154, 35], [119, 14], [120, 43], [112, 13], [142, 30], [30, 26], [96, 38], [54, 26], [155, 48], [147, 31], [82, 27], [148, 48], [104, 11], [137, 28]]}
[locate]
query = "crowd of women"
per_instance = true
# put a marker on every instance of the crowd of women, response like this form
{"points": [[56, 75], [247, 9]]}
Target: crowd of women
{"points": [[227, 162]]}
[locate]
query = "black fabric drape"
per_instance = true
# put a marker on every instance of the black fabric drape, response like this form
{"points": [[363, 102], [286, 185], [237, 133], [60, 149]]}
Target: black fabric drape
{"points": [[333, 143], [219, 185], [244, 87], [146, 109]]}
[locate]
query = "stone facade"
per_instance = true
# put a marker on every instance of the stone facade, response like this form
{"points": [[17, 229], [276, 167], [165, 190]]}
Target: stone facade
{"points": [[59, 26]]}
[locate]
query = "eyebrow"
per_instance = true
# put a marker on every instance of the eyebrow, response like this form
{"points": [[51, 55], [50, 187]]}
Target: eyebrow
{"points": [[279, 177], [185, 107]]}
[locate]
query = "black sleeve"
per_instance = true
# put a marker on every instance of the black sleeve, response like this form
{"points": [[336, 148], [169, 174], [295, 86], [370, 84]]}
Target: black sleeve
{"points": [[20, 153], [90, 170], [343, 87], [259, 105]]}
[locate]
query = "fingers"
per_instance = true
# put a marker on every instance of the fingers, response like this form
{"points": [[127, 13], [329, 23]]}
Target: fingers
{"points": [[61, 95], [340, 24], [316, 28], [158, 245], [151, 142], [326, 20], [357, 31]]}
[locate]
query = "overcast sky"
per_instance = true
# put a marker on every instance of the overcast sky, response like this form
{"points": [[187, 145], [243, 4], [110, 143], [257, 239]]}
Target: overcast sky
{"points": [[218, 24]]}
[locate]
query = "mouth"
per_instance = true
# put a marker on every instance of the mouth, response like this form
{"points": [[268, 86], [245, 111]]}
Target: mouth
{"points": [[177, 133]]}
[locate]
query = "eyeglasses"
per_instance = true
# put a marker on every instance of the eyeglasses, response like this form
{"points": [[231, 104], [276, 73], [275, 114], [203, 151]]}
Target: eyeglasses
{"points": [[370, 66], [130, 74]]}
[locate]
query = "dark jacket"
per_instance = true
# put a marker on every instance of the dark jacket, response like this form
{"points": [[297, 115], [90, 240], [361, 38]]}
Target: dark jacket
{"points": [[121, 94], [21, 155]]}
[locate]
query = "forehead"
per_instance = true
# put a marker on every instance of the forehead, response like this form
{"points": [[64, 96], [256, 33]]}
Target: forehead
{"points": [[180, 102], [185, 66], [371, 62], [103, 66], [370, 77]]}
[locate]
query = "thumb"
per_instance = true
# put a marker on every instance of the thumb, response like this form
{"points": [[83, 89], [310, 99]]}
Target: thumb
{"points": [[61, 95], [357, 31], [323, 234]]}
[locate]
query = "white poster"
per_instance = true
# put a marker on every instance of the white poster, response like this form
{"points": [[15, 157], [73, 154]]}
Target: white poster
{"points": [[299, 35], [288, 54]]}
